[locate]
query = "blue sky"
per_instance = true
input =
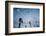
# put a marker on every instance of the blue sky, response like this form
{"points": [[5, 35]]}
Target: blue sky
{"points": [[27, 14]]}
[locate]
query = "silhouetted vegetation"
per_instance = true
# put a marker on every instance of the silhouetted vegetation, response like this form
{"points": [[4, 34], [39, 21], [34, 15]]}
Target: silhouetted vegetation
{"points": [[20, 21]]}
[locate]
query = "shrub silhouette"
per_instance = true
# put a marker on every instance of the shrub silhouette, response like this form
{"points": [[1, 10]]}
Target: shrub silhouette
{"points": [[20, 21]]}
